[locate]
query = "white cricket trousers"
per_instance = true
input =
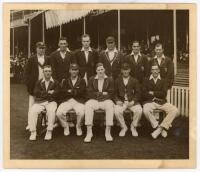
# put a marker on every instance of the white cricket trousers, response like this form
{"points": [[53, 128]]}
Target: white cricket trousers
{"points": [[171, 114], [137, 114], [65, 107], [92, 105], [37, 108], [30, 104]]}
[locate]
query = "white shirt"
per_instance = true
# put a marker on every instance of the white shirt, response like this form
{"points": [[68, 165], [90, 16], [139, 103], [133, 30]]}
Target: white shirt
{"points": [[40, 59], [111, 54], [47, 82], [135, 56], [74, 80], [125, 80], [159, 59], [100, 82], [86, 52], [154, 79], [62, 54], [40, 70]]}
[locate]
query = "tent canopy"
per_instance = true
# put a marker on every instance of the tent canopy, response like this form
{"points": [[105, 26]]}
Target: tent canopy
{"points": [[58, 17]]}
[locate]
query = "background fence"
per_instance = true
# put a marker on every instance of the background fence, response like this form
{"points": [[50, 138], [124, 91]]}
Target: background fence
{"points": [[179, 96]]}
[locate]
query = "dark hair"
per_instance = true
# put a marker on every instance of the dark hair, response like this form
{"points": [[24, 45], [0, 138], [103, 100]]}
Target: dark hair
{"points": [[84, 36], [63, 38], [159, 44], [47, 66], [99, 64]]}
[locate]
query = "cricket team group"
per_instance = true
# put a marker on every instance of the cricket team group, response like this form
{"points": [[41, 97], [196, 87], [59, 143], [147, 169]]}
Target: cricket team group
{"points": [[86, 80]]}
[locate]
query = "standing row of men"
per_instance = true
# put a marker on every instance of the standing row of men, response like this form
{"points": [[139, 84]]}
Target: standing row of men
{"points": [[108, 65]]}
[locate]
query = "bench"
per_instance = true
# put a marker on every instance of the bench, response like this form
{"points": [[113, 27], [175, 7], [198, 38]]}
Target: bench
{"points": [[98, 119]]}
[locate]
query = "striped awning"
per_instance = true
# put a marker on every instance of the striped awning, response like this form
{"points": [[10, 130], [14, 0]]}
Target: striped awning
{"points": [[57, 17]]}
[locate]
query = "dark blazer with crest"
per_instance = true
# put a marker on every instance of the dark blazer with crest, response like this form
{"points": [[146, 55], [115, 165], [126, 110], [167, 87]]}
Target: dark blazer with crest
{"points": [[31, 72], [114, 69], [41, 93], [132, 89], [86, 67], [60, 66], [166, 70], [159, 89], [77, 91], [93, 92], [139, 69]]}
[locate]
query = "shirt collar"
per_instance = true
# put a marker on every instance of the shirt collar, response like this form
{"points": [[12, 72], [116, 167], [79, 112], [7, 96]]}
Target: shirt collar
{"points": [[67, 49], [82, 49], [96, 77], [115, 50], [139, 54], [40, 56], [163, 57], [151, 77], [51, 79], [74, 78]]}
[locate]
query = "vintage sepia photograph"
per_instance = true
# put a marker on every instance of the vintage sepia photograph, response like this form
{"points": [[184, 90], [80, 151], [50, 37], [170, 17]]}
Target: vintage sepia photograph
{"points": [[108, 82]]}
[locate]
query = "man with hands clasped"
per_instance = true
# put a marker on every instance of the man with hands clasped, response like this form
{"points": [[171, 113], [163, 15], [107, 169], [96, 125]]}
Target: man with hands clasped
{"points": [[127, 96]]}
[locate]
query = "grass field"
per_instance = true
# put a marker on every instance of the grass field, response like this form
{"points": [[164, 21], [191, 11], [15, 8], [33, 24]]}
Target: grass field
{"points": [[175, 146]]}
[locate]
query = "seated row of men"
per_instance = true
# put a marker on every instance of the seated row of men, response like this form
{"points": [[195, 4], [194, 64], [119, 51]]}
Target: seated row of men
{"points": [[101, 92]]}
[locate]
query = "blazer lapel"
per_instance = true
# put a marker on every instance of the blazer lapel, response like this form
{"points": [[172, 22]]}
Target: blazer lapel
{"points": [[77, 82], [157, 83], [95, 84], [36, 61], [83, 58], [139, 59], [132, 59], [70, 82], [107, 57], [59, 58], [43, 86], [105, 84], [90, 56], [162, 62], [50, 86], [152, 83]]}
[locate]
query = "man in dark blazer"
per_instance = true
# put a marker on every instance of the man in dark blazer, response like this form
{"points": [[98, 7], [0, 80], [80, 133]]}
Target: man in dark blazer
{"points": [[127, 96], [100, 93], [138, 62], [111, 58], [86, 58], [46, 92], [154, 91], [60, 60], [73, 90], [165, 64], [34, 71]]}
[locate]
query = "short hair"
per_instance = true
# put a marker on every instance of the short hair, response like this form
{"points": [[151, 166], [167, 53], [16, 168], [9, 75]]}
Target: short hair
{"points": [[62, 38], [136, 41], [99, 64], [84, 36], [159, 44], [47, 66], [125, 66]]}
